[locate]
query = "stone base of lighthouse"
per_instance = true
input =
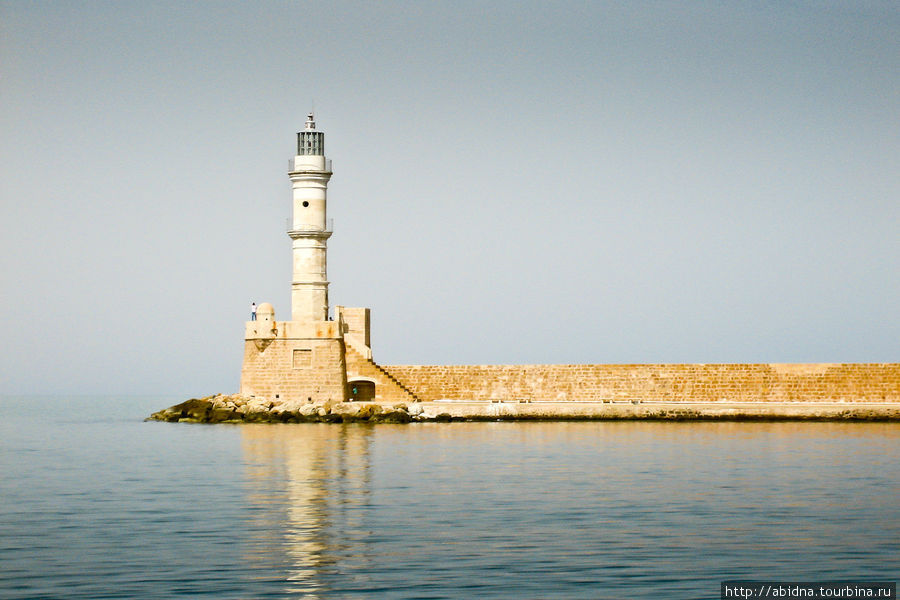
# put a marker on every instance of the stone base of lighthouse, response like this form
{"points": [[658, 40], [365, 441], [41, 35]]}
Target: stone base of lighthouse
{"points": [[292, 361]]}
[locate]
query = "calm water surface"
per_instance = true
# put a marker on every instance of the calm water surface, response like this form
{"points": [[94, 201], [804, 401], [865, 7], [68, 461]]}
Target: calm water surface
{"points": [[95, 503]]}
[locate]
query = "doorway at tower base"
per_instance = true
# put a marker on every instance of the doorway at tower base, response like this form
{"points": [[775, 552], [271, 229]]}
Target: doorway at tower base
{"points": [[361, 390]]}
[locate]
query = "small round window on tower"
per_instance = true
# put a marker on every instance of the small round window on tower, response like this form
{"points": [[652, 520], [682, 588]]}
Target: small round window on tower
{"points": [[305, 204]]}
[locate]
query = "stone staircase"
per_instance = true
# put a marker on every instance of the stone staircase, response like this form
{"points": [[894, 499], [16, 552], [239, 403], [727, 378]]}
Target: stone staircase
{"points": [[387, 387]]}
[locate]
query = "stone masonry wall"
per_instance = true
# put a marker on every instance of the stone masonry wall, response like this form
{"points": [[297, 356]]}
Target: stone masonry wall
{"points": [[854, 382], [357, 322], [287, 369]]}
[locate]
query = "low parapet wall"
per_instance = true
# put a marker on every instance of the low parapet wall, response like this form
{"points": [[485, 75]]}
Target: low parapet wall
{"points": [[848, 382]]}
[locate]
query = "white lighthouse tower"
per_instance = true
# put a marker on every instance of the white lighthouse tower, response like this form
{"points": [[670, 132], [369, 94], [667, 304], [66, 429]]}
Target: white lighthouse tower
{"points": [[309, 228], [302, 359], [311, 358]]}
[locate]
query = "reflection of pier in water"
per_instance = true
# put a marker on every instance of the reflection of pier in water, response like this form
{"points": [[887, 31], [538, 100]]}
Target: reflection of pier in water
{"points": [[308, 498]]}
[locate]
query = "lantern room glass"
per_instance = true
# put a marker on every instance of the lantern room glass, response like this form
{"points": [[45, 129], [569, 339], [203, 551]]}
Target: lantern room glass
{"points": [[311, 143]]}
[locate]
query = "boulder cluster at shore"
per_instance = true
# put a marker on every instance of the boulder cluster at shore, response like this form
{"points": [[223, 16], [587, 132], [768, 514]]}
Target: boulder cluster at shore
{"points": [[241, 409]]}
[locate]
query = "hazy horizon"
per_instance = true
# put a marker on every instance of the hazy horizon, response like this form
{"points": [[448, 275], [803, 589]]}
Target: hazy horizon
{"points": [[514, 182]]}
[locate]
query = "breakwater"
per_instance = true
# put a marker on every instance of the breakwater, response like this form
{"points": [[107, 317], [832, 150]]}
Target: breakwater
{"points": [[399, 394], [238, 409]]}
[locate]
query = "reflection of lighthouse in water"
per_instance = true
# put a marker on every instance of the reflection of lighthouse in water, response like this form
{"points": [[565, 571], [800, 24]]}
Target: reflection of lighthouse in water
{"points": [[309, 490]]}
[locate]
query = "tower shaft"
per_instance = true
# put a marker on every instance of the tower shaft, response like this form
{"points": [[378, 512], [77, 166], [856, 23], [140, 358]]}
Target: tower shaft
{"points": [[310, 172]]}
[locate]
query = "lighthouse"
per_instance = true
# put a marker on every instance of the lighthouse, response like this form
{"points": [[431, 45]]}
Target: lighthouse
{"points": [[311, 358], [308, 226], [302, 359]]}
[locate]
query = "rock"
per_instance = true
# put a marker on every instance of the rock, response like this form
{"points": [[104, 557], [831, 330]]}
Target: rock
{"points": [[356, 411], [195, 408], [415, 410], [217, 401], [371, 410], [392, 416], [347, 410], [292, 405], [281, 416], [258, 417], [258, 406], [308, 410], [217, 415], [168, 414], [353, 411]]}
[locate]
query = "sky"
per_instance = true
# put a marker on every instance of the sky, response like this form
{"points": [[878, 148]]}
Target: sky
{"points": [[514, 182]]}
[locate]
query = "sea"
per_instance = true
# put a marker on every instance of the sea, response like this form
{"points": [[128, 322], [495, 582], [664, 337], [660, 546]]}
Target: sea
{"points": [[97, 503]]}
